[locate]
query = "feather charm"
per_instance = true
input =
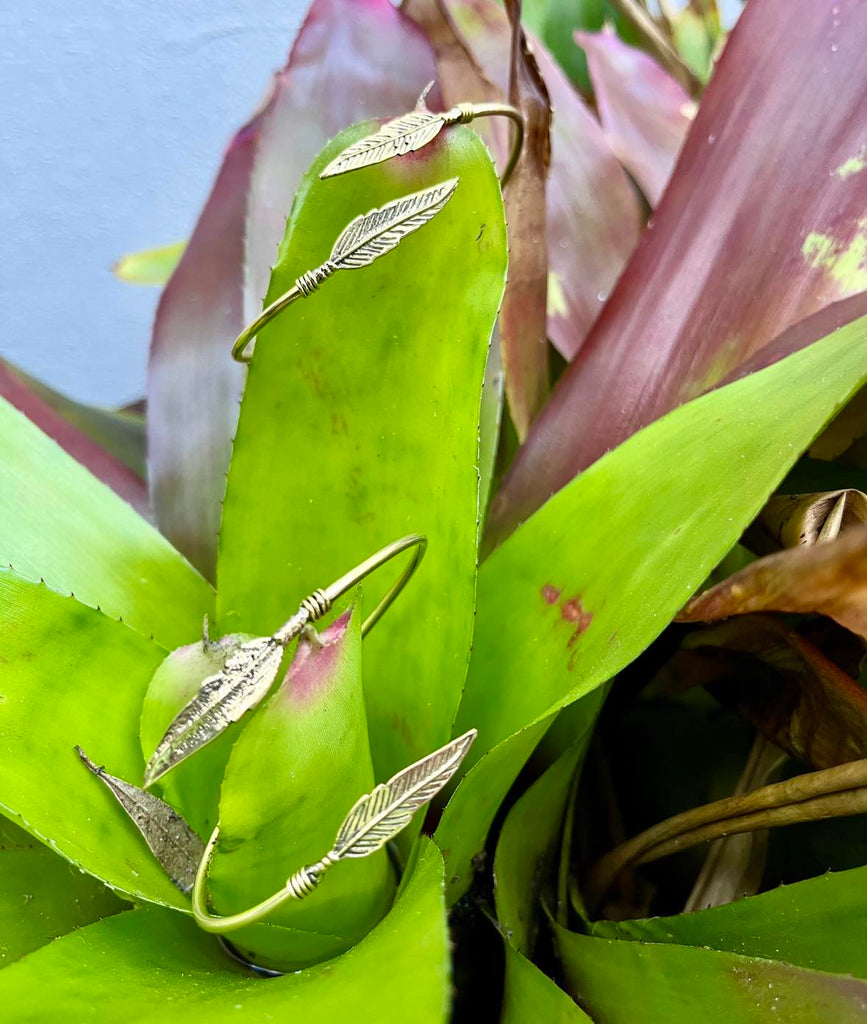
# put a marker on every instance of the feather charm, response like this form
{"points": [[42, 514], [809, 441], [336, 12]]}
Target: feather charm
{"points": [[222, 699], [379, 815], [373, 234], [403, 135]]}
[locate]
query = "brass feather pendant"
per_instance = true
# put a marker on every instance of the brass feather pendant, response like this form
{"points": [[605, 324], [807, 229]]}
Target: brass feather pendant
{"points": [[223, 698], [378, 816], [403, 135]]}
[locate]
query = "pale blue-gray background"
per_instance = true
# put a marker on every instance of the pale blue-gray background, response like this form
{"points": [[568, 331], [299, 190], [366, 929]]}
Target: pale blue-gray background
{"points": [[114, 117]]}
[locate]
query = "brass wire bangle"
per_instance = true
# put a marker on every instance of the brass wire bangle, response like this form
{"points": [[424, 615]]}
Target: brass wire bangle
{"points": [[464, 113], [363, 240], [413, 131], [249, 672]]}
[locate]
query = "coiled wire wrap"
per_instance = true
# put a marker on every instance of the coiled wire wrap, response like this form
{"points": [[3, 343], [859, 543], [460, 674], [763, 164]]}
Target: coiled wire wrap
{"points": [[310, 280]]}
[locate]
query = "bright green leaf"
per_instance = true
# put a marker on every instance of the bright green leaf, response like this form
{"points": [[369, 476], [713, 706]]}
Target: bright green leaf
{"points": [[620, 982], [817, 923], [43, 896], [555, 22], [70, 675], [530, 995], [150, 266], [149, 966], [360, 421], [594, 576], [60, 524], [527, 848], [293, 775]]}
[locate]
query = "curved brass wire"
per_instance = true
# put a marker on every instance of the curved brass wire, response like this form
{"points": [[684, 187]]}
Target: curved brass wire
{"points": [[320, 602], [266, 316], [299, 885], [463, 113]]}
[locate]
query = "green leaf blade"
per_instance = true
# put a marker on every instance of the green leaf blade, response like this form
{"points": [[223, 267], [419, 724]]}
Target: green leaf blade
{"points": [[150, 966], [590, 580], [388, 358], [60, 524], [70, 675]]}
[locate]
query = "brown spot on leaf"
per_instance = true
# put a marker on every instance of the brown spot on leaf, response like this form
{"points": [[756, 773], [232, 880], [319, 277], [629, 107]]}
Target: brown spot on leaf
{"points": [[551, 594], [573, 611]]}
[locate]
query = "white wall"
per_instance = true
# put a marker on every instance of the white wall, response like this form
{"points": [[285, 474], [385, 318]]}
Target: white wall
{"points": [[114, 117]]}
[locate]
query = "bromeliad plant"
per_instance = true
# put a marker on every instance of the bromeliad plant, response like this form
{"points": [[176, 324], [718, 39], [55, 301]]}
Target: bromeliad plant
{"points": [[566, 528]]}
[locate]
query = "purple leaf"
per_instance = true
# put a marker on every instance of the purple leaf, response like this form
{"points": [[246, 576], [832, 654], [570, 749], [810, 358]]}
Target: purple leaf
{"points": [[523, 315], [645, 113], [353, 59], [194, 385], [594, 218], [762, 224]]}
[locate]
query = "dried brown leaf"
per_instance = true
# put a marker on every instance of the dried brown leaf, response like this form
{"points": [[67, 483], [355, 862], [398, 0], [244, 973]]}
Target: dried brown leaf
{"points": [[794, 519], [830, 579], [783, 685]]}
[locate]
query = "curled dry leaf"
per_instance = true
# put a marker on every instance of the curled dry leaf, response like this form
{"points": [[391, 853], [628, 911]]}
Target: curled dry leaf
{"points": [[783, 685], [222, 699], [829, 578], [794, 519], [831, 793], [171, 840]]}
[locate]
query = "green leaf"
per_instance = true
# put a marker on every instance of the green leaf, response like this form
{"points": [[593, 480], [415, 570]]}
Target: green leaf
{"points": [[360, 421], [527, 848], [293, 775], [43, 896], [681, 984], [555, 22], [591, 579], [69, 674], [149, 966], [60, 524], [817, 923], [530, 995], [150, 266]]}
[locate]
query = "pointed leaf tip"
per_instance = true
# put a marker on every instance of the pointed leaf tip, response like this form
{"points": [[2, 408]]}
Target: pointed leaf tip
{"points": [[171, 840]]}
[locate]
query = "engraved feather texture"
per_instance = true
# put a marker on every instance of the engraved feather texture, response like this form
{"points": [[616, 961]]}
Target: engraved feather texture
{"points": [[375, 233], [379, 815], [171, 840], [396, 138], [222, 699]]}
